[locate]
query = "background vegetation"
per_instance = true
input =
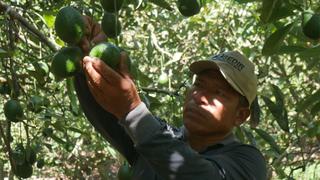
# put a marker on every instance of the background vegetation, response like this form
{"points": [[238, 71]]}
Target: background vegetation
{"points": [[285, 123]]}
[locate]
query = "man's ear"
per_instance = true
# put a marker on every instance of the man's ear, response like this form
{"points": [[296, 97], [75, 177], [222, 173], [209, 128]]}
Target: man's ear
{"points": [[242, 115]]}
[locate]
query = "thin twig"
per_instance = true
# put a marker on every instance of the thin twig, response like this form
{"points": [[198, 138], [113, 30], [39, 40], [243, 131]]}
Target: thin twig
{"points": [[13, 14], [171, 93]]}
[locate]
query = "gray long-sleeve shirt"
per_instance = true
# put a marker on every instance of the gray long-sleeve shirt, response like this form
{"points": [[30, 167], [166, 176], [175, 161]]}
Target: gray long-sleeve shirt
{"points": [[157, 151]]}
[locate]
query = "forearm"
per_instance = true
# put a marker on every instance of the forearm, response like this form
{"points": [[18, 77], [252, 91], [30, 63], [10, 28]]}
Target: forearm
{"points": [[104, 122]]}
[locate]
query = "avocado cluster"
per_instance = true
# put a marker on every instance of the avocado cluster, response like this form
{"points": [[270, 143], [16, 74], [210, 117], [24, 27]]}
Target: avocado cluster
{"points": [[70, 27], [23, 160], [110, 23]]}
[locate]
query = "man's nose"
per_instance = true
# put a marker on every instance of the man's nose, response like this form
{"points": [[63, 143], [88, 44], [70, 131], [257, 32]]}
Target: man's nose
{"points": [[199, 97]]}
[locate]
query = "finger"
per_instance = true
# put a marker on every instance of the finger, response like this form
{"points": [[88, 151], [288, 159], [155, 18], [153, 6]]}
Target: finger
{"points": [[99, 38], [95, 78], [85, 45], [123, 65], [96, 92], [96, 28], [88, 25], [106, 71]]}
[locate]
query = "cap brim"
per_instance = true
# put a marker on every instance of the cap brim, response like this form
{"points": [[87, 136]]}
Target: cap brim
{"points": [[199, 66]]}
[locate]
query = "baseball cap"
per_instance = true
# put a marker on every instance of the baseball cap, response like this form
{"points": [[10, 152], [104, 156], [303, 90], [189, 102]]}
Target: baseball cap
{"points": [[236, 69]]}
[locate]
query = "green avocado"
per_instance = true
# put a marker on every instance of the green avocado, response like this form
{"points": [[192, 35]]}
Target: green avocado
{"points": [[111, 25], [111, 5], [66, 62], [188, 7], [69, 25], [311, 25], [13, 110], [108, 53]]}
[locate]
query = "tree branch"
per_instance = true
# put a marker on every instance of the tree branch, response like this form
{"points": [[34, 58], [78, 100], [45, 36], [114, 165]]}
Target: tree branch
{"points": [[7, 146], [13, 14], [160, 91]]}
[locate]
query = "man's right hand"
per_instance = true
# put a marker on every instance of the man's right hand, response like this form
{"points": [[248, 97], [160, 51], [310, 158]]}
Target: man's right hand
{"points": [[114, 90]]}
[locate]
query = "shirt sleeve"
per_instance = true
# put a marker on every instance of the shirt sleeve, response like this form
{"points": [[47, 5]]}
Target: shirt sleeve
{"points": [[168, 155], [104, 122]]}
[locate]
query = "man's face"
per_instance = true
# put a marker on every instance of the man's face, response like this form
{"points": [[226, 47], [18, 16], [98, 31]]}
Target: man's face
{"points": [[211, 105]]}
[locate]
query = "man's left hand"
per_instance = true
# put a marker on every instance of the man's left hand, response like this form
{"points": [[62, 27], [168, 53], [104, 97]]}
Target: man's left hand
{"points": [[93, 34]]}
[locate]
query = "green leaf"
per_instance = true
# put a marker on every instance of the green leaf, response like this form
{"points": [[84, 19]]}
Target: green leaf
{"points": [[145, 99], [290, 49], [162, 3], [245, 1], [280, 11], [267, 8], [4, 53], [315, 109], [279, 113], [274, 41], [57, 139], [269, 139], [75, 130], [311, 52], [150, 47], [154, 103], [138, 3], [308, 101], [278, 95], [49, 19], [250, 136], [255, 113], [72, 96], [239, 134], [281, 173]]}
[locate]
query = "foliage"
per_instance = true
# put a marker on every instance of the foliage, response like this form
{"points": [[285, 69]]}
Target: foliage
{"points": [[162, 41]]}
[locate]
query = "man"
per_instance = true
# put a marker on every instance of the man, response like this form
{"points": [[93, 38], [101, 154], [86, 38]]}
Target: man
{"points": [[204, 148]]}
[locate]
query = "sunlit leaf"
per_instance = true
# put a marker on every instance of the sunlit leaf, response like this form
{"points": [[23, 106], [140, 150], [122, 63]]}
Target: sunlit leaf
{"points": [[49, 19]]}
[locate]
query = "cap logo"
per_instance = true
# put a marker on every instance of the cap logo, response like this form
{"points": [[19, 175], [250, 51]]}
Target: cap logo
{"points": [[230, 60]]}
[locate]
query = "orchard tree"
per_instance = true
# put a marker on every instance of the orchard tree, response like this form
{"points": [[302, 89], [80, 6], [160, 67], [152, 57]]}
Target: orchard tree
{"points": [[44, 133]]}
